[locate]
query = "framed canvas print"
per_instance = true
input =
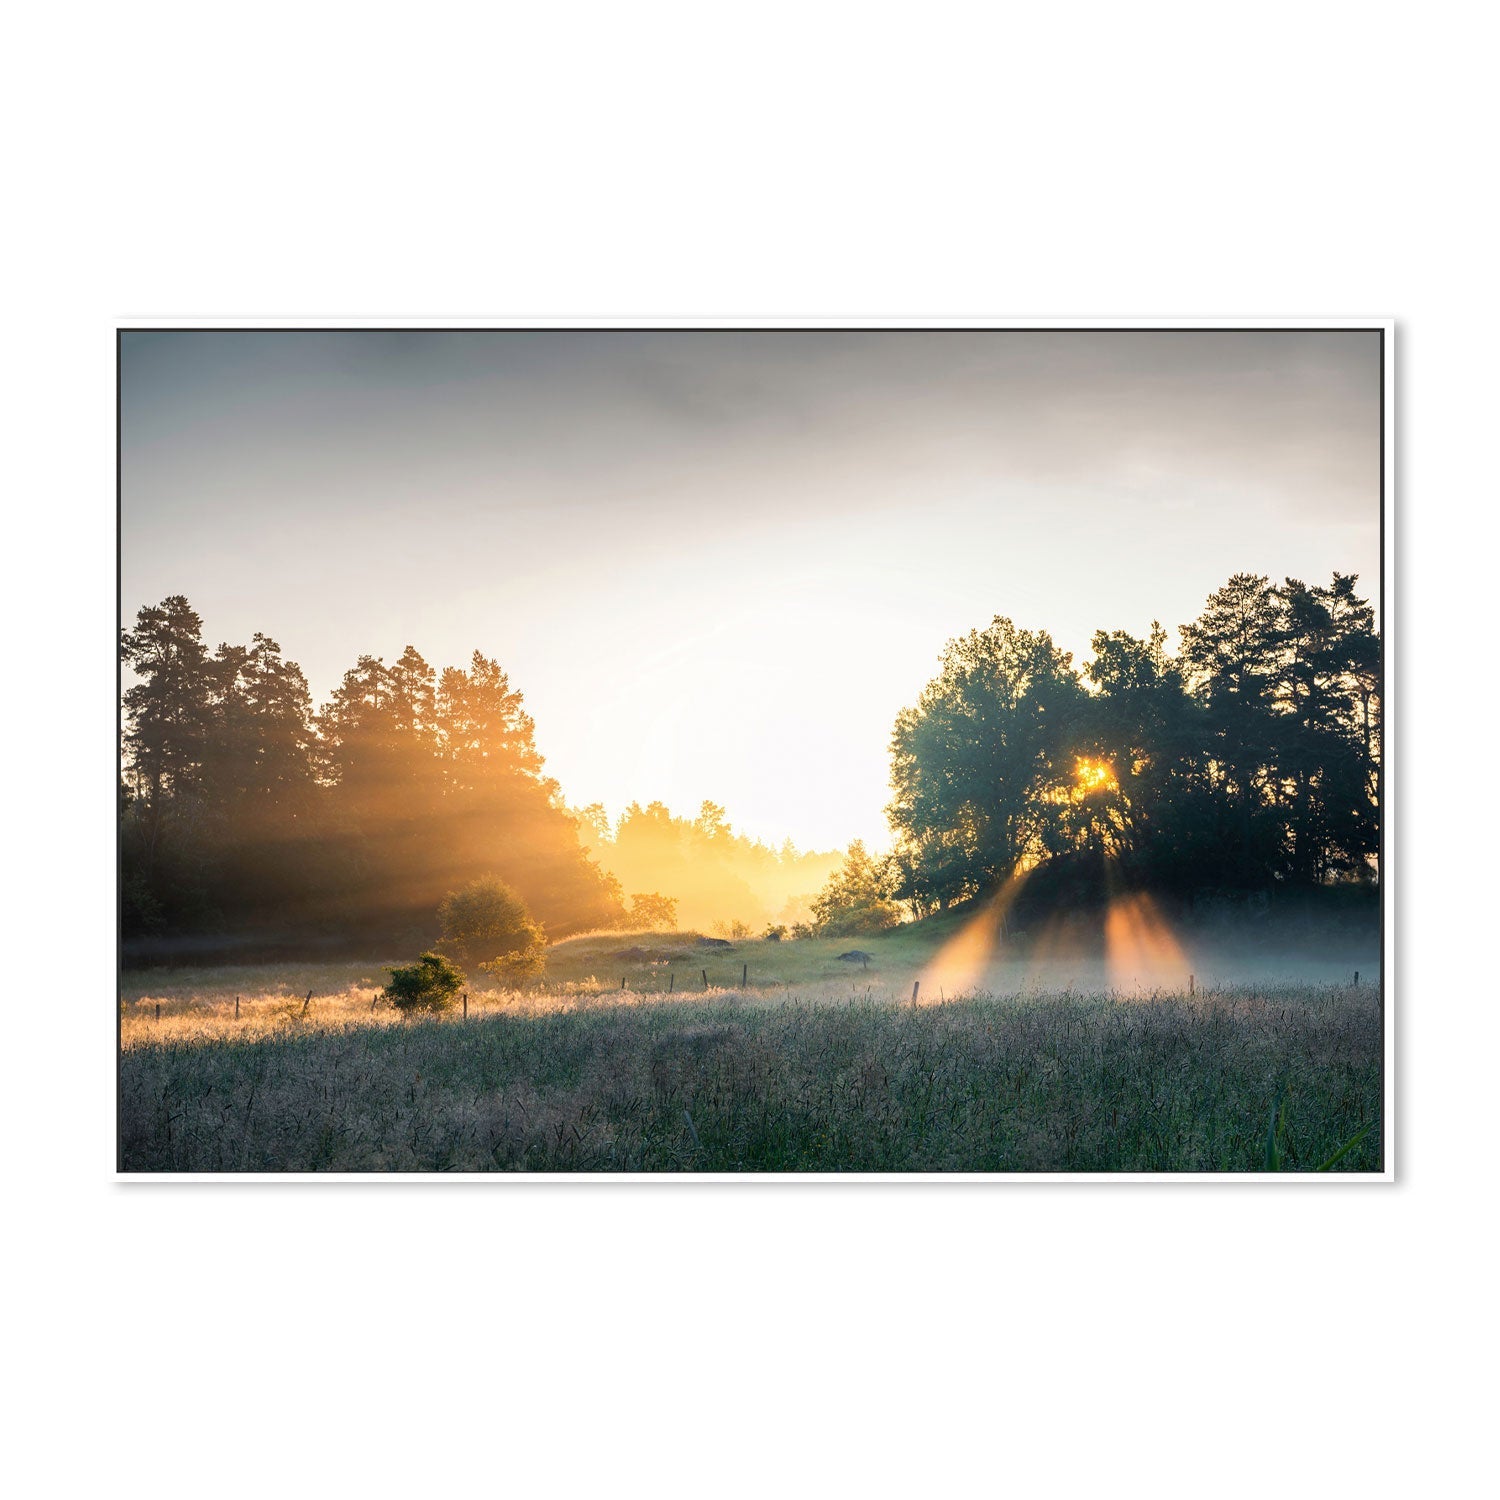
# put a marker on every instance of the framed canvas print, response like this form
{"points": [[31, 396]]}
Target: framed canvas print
{"points": [[755, 752]]}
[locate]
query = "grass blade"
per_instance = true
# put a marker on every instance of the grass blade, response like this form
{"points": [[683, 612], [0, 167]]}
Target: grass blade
{"points": [[1346, 1148], [1273, 1134]]}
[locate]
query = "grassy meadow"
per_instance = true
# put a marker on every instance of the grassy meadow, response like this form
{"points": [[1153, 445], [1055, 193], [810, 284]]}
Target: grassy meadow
{"points": [[815, 1065]]}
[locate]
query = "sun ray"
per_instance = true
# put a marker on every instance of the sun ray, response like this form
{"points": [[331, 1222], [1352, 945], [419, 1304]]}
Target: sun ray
{"points": [[959, 966], [1140, 948]]}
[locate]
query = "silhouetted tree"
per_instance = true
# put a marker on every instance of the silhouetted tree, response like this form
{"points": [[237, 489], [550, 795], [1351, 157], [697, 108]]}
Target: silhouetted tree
{"points": [[168, 853], [167, 712], [1164, 811], [1249, 761], [975, 764], [1328, 693], [501, 812], [240, 809]]}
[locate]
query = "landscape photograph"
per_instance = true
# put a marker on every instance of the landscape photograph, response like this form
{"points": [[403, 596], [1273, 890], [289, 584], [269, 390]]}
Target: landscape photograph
{"points": [[737, 752]]}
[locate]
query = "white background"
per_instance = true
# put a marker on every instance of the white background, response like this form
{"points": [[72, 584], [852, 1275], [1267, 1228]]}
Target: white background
{"points": [[656, 162]]}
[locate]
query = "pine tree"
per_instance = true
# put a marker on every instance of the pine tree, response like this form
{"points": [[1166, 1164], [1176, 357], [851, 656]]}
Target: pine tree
{"points": [[168, 711]]}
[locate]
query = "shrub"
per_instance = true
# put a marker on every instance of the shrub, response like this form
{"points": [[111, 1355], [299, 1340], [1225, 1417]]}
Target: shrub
{"points": [[518, 967], [653, 911], [486, 919], [429, 984], [775, 932], [857, 898]]}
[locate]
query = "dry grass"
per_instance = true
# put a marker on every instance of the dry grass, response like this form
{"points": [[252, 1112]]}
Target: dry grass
{"points": [[813, 1079], [192, 1006]]}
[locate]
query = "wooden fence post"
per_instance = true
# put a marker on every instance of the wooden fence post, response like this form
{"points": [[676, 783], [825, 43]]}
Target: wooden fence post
{"points": [[1192, 984], [236, 1007], [158, 1010], [705, 978], [916, 984], [466, 1005], [744, 976], [671, 982], [307, 1002]]}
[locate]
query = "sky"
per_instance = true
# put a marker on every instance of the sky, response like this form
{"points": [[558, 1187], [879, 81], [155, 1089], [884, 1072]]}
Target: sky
{"points": [[717, 565]]}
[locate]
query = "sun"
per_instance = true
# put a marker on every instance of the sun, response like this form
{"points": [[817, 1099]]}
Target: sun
{"points": [[1094, 775]]}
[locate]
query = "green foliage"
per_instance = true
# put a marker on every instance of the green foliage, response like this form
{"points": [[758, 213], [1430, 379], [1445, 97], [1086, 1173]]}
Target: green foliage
{"points": [[857, 898], [1330, 1162], [653, 912], [140, 911], [775, 933], [1275, 1133], [487, 919], [1249, 761], [429, 984], [974, 764], [519, 967]]}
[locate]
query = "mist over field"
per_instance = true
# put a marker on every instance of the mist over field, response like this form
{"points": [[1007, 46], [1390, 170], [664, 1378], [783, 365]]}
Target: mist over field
{"points": [[1248, 1047], [1110, 901], [829, 1077]]}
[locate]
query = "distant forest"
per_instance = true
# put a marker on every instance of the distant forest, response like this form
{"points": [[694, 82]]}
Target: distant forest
{"points": [[720, 879], [1249, 760]]}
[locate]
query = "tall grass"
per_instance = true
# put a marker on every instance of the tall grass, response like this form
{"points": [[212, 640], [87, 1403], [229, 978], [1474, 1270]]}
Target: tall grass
{"points": [[835, 1077]]}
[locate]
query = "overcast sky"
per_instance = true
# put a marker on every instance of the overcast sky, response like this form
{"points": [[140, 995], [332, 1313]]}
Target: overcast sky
{"points": [[717, 565]]}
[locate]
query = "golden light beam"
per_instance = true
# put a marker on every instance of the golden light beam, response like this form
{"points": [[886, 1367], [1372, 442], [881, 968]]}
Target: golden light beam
{"points": [[1139, 947], [959, 965]]}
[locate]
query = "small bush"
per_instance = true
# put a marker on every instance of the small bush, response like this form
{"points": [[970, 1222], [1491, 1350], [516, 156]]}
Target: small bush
{"points": [[775, 932], [518, 967], [429, 984]]}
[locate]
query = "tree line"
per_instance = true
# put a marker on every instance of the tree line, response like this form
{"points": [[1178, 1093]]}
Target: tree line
{"points": [[719, 878], [246, 813], [244, 809], [1249, 759]]}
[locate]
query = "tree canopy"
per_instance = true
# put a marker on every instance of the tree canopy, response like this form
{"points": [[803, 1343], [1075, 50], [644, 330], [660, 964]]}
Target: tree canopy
{"points": [[1250, 759], [857, 897]]}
